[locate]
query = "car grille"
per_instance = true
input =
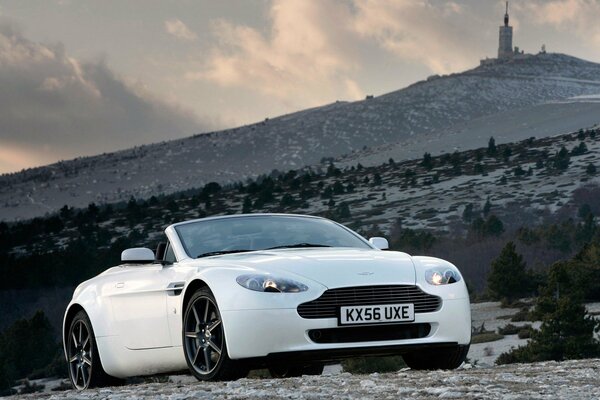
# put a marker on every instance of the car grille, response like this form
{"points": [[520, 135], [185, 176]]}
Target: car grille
{"points": [[331, 300], [369, 333]]}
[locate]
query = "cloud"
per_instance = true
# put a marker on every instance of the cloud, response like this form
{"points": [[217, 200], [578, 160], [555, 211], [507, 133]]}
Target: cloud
{"points": [[304, 58], [578, 16], [422, 31], [180, 30], [314, 51], [53, 104]]}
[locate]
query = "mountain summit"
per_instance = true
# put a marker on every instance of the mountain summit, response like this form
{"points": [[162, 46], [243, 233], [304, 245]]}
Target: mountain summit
{"points": [[539, 95]]}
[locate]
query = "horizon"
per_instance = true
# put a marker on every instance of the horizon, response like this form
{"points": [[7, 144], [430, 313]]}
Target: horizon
{"points": [[76, 95]]}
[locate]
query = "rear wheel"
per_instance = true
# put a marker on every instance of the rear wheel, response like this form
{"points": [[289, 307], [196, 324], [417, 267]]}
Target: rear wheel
{"points": [[290, 371], [443, 358], [204, 344], [85, 368]]}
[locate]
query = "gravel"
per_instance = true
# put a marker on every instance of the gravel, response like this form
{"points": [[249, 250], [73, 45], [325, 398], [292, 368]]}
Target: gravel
{"points": [[547, 380]]}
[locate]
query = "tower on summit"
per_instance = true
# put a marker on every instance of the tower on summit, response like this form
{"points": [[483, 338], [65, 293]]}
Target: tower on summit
{"points": [[505, 49]]}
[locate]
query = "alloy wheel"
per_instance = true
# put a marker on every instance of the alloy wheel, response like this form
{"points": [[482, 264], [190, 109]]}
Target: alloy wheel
{"points": [[80, 355], [203, 335]]}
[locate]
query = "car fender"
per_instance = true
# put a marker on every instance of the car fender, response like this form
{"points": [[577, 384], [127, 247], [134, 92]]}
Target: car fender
{"points": [[97, 308]]}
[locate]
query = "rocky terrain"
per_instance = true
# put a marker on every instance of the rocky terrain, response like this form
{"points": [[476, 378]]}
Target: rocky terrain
{"points": [[441, 114], [521, 187], [547, 380], [478, 378]]}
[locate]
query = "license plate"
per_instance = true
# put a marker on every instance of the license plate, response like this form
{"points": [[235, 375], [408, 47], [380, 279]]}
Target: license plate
{"points": [[377, 314]]}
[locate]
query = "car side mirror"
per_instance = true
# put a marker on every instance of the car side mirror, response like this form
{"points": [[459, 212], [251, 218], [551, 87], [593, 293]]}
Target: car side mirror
{"points": [[380, 243], [138, 255]]}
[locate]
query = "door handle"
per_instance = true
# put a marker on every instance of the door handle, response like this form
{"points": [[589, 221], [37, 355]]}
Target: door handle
{"points": [[120, 285]]}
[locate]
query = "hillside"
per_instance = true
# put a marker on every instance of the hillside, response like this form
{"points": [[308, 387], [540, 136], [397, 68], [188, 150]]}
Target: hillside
{"points": [[435, 208], [557, 380], [440, 114]]}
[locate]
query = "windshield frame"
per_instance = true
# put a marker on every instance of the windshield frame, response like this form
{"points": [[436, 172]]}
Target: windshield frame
{"points": [[187, 252]]}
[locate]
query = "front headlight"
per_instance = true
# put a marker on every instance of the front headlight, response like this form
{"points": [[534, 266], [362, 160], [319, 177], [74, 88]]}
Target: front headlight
{"points": [[441, 276], [268, 283]]}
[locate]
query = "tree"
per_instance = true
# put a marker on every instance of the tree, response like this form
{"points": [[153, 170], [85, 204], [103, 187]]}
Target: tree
{"points": [[377, 179], [286, 200], [590, 169], [509, 278], [338, 187], [506, 153], [492, 150], [561, 159], [247, 205], [427, 162], [493, 226], [26, 346], [467, 214], [580, 149], [567, 330], [518, 171], [343, 211]]}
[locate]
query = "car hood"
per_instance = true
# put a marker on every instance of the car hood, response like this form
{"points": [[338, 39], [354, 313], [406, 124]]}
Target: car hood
{"points": [[332, 267]]}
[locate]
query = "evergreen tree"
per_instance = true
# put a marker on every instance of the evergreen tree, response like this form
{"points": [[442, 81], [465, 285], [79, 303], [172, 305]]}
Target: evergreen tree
{"points": [[506, 153], [508, 278], [343, 211], [580, 149], [26, 346], [561, 159], [377, 179], [590, 169], [492, 150], [467, 214], [493, 226], [427, 162], [567, 330]]}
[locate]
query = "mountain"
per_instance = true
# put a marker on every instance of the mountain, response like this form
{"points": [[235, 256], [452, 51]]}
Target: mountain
{"points": [[437, 115]]}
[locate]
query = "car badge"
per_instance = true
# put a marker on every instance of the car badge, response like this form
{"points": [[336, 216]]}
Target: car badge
{"points": [[366, 273]]}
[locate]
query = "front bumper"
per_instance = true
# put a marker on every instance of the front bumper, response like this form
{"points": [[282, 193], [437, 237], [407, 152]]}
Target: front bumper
{"points": [[266, 333]]}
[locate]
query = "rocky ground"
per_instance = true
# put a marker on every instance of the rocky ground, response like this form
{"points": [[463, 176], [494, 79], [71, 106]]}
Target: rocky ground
{"points": [[478, 378], [547, 380]]}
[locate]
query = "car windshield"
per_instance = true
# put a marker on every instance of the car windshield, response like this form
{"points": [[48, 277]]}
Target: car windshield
{"points": [[238, 234]]}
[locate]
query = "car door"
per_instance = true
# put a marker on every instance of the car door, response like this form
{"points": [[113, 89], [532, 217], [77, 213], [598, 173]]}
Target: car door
{"points": [[139, 304]]}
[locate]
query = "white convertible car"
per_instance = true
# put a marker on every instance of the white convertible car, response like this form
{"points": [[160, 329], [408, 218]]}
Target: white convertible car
{"points": [[290, 293]]}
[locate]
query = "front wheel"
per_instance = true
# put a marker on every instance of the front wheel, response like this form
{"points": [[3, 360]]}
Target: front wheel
{"points": [[85, 368], [204, 344], [443, 358]]}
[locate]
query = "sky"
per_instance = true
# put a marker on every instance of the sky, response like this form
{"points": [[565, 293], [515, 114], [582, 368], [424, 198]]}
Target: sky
{"points": [[91, 76]]}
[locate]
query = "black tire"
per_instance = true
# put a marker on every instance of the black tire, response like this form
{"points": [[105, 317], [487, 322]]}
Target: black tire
{"points": [[203, 333], [291, 371], [443, 358], [83, 361]]}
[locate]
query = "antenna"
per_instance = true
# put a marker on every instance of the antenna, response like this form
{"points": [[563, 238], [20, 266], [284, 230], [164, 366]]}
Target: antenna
{"points": [[507, 7]]}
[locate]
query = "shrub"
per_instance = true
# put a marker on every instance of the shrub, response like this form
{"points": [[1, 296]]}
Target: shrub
{"points": [[509, 329], [522, 315], [486, 337], [525, 333]]}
